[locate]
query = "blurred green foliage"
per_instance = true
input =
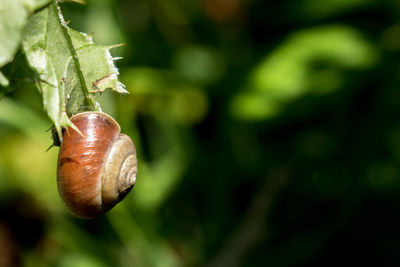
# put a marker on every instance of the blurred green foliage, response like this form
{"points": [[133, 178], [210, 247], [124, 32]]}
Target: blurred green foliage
{"points": [[310, 61], [267, 134]]}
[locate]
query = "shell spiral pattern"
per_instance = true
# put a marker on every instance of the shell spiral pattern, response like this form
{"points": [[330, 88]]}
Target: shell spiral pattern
{"points": [[97, 167]]}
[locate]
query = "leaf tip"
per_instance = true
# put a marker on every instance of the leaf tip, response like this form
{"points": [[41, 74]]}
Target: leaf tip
{"points": [[82, 2], [116, 45]]}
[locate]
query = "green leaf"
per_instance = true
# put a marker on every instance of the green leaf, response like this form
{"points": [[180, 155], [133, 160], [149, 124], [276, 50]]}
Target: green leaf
{"points": [[3, 80], [71, 68], [13, 17]]}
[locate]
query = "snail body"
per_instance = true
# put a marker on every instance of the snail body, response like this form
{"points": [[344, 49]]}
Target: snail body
{"points": [[97, 167]]}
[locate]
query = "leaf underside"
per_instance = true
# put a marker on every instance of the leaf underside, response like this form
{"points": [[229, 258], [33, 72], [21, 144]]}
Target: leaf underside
{"points": [[70, 67], [13, 17]]}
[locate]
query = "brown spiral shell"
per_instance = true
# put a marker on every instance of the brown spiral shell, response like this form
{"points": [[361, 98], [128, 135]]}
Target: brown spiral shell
{"points": [[97, 169]]}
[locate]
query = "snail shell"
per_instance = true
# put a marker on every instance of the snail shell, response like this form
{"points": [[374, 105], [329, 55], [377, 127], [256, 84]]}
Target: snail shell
{"points": [[97, 168]]}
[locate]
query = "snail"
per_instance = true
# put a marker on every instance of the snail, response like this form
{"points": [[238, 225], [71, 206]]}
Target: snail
{"points": [[97, 167]]}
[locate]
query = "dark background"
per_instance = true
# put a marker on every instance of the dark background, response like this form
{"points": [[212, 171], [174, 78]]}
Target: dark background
{"points": [[268, 134]]}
